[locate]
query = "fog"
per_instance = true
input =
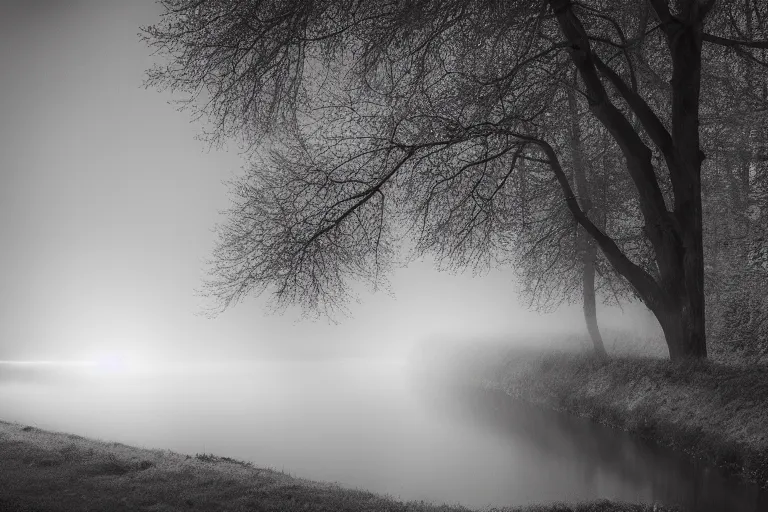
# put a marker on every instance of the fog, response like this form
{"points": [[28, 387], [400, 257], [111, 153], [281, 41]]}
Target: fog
{"points": [[106, 210], [107, 207], [362, 423]]}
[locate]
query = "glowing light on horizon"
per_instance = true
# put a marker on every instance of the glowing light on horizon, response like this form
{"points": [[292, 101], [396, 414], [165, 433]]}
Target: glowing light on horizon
{"points": [[107, 364], [111, 363], [51, 362]]}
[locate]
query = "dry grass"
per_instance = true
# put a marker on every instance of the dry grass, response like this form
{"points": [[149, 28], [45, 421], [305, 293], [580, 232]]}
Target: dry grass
{"points": [[712, 411], [49, 472]]}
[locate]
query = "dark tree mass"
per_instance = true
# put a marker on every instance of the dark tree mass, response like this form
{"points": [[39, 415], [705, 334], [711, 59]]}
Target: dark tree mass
{"points": [[573, 140]]}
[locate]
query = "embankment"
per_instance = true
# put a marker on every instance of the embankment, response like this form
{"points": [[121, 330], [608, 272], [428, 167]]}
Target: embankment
{"points": [[714, 412]]}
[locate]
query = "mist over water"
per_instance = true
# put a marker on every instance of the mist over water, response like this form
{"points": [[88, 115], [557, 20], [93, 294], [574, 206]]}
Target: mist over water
{"points": [[362, 423], [93, 275]]}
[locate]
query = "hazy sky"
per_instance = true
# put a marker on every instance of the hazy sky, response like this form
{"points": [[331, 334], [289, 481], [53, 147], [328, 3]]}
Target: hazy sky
{"points": [[107, 204]]}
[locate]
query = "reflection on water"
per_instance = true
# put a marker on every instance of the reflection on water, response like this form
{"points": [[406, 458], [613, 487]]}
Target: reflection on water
{"points": [[594, 451], [364, 425]]}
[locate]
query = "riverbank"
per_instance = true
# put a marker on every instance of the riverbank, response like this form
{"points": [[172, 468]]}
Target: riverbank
{"points": [[46, 471], [714, 412]]}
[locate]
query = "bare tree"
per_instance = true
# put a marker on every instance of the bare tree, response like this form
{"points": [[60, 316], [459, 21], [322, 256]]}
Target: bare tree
{"points": [[587, 246], [369, 115], [556, 260]]}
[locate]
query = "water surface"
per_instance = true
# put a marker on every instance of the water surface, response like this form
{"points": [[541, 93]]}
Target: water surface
{"points": [[368, 425]]}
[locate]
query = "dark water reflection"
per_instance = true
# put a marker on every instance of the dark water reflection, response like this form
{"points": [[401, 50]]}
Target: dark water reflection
{"points": [[368, 425], [594, 451]]}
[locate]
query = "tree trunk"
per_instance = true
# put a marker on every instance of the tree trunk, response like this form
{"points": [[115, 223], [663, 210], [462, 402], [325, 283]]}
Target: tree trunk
{"points": [[588, 289], [685, 319], [587, 246], [683, 329], [676, 293]]}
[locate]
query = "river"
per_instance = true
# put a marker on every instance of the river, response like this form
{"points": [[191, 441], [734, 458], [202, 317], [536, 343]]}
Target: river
{"points": [[369, 425]]}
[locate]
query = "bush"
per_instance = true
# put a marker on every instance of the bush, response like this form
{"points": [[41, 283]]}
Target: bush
{"points": [[738, 327]]}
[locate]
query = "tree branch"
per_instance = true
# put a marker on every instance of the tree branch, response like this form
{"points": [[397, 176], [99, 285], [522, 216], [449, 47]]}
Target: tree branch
{"points": [[364, 197], [635, 151], [638, 278], [731, 43], [650, 121]]}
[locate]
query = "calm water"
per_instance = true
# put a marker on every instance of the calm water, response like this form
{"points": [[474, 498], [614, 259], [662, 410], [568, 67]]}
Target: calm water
{"points": [[366, 425]]}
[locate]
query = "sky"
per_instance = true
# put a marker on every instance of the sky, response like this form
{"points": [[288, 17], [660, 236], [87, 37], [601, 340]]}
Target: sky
{"points": [[107, 205]]}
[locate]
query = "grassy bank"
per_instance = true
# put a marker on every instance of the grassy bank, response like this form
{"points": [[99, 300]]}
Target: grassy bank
{"points": [[43, 471], [714, 412]]}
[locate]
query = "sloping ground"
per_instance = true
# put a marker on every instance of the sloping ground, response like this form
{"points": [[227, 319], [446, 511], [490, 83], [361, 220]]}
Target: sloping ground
{"points": [[45, 472], [712, 411]]}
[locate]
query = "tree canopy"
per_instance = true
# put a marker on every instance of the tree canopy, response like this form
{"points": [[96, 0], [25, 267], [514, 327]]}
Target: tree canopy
{"points": [[444, 122]]}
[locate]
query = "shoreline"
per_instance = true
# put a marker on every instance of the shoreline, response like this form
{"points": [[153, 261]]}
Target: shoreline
{"points": [[712, 412], [49, 471]]}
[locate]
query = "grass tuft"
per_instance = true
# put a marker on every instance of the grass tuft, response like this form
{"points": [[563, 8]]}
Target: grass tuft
{"points": [[112, 465], [215, 459]]}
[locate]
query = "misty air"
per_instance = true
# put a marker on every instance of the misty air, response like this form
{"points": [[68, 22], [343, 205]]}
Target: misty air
{"points": [[409, 256]]}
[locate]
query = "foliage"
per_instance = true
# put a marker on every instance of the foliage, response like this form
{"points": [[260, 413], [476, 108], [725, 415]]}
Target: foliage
{"points": [[372, 123], [735, 134]]}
